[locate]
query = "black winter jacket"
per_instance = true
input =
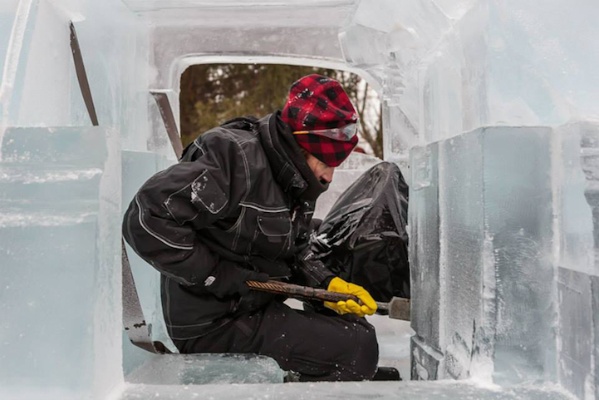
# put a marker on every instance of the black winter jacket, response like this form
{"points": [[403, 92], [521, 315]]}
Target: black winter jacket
{"points": [[242, 193]]}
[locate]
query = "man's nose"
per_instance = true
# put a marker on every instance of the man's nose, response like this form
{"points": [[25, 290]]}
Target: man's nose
{"points": [[328, 174]]}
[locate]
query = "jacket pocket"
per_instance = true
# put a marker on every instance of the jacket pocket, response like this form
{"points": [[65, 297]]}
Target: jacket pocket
{"points": [[272, 236], [201, 194]]}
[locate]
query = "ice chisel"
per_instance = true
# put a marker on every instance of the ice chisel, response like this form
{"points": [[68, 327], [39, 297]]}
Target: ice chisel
{"points": [[397, 308]]}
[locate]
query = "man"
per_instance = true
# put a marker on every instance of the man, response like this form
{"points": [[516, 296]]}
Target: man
{"points": [[238, 207]]}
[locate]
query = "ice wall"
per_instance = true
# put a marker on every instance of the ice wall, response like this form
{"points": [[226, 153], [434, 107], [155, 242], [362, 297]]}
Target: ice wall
{"points": [[61, 193], [503, 262]]}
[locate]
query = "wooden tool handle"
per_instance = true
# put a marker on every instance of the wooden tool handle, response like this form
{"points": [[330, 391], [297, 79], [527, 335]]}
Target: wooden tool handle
{"points": [[302, 292]]}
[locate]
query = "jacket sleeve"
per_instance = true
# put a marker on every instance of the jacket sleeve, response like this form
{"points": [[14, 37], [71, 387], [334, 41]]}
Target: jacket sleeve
{"points": [[162, 220], [308, 269], [311, 271]]}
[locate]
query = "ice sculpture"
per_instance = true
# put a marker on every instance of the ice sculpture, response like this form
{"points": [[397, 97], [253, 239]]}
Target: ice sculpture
{"points": [[489, 108]]}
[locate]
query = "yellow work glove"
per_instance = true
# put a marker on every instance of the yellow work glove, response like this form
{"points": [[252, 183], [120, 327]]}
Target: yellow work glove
{"points": [[368, 306]]}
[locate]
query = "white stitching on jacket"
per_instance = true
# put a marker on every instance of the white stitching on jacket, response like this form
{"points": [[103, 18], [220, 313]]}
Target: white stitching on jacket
{"points": [[237, 226], [266, 210], [199, 147], [248, 185], [163, 240]]}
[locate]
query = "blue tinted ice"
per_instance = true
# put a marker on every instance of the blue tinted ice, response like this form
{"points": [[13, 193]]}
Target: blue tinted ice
{"points": [[515, 300]]}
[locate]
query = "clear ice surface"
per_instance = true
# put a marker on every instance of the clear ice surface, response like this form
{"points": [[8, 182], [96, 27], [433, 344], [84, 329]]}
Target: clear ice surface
{"points": [[197, 369], [489, 107]]}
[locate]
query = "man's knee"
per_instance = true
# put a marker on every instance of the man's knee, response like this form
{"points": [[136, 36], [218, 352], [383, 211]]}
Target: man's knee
{"points": [[368, 355], [365, 355]]}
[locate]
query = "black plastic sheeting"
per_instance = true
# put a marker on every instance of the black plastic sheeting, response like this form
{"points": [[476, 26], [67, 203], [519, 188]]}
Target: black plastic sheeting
{"points": [[363, 238]]}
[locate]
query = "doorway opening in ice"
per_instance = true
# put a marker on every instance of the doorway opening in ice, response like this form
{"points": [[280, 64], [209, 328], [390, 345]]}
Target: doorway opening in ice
{"points": [[210, 94]]}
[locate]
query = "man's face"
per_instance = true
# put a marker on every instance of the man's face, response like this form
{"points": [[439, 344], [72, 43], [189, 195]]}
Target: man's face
{"points": [[323, 172]]}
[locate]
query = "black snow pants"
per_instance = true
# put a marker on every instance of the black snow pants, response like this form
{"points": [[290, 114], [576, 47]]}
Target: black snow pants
{"points": [[317, 346]]}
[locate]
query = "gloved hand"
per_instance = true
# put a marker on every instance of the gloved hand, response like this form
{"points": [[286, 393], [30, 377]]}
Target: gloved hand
{"points": [[228, 279], [338, 285]]}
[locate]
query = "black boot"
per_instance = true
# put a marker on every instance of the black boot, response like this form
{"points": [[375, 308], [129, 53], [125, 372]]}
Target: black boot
{"points": [[386, 374]]}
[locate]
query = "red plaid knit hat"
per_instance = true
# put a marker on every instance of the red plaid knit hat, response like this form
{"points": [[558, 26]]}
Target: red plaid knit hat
{"points": [[322, 118]]}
